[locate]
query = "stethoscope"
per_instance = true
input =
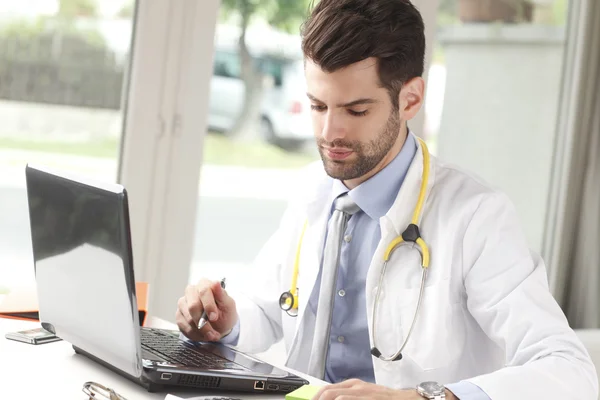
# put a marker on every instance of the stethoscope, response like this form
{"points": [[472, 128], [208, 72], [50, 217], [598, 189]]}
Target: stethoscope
{"points": [[288, 301]]}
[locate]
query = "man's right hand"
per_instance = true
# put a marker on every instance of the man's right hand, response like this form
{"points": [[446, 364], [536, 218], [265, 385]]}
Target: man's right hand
{"points": [[220, 310]]}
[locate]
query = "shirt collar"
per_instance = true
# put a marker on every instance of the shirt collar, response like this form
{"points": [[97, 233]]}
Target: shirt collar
{"points": [[376, 195]]}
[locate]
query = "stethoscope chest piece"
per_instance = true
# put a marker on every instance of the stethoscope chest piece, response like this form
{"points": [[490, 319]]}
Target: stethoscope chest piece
{"points": [[287, 303]]}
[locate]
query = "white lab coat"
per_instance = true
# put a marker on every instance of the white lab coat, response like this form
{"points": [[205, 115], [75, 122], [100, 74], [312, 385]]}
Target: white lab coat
{"points": [[487, 315]]}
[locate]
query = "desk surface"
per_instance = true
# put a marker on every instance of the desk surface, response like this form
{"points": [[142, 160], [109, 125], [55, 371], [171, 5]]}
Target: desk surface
{"points": [[54, 371]]}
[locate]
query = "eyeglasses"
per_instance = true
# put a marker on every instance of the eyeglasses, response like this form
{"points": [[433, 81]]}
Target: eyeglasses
{"points": [[97, 391]]}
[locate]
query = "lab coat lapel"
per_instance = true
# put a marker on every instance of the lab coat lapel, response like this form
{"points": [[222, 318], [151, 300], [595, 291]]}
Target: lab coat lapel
{"points": [[317, 214], [396, 221], [314, 239]]}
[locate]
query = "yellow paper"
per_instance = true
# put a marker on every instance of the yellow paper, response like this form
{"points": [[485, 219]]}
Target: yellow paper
{"points": [[305, 392]]}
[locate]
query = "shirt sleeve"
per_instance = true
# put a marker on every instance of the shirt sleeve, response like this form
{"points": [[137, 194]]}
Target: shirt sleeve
{"points": [[467, 391], [233, 336]]}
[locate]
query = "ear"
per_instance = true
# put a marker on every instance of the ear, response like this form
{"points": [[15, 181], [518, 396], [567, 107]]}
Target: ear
{"points": [[411, 98]]}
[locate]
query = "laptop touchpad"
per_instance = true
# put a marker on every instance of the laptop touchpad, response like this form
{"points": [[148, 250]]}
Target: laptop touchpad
{"points": [[146, 355]]}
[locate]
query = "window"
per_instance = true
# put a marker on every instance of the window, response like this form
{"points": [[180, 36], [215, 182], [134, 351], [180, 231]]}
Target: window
{"points": [[227, 65], [273, 69], [61, 78], [251, 148]]}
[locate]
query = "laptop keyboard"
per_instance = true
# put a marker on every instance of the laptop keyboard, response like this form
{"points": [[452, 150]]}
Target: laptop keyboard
{"points": [[175, 351]]}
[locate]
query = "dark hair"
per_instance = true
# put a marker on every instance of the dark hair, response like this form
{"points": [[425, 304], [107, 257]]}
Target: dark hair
{"points": [[339, 33]]}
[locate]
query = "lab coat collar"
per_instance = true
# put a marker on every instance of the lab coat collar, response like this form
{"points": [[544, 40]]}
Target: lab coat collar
{"points": [[318, 199], [400, 212], [376, 195]]}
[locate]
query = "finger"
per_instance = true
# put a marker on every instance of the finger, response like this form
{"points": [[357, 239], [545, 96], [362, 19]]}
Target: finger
{"points": [[219, 293], [324, 389], [352, 382], [183, 308], [180, 320], [347, 384], [190, 331], [208, 333], [208, 302], [320, 392], [194, 304], [335, 393]]}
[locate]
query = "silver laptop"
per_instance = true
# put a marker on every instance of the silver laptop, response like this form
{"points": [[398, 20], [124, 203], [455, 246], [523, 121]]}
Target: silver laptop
{"points": [[84, 272]]}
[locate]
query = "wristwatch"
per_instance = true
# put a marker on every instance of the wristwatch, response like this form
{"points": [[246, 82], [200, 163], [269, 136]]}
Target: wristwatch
{"points": [[431, 390]]}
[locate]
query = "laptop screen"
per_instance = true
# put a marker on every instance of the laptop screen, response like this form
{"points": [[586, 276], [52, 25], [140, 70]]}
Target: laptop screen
{"points": [[83, 265]]}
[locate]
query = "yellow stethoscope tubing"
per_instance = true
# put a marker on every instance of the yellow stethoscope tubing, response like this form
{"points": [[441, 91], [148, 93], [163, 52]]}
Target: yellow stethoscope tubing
{"points": [[425, 254], [412, 234], [294, 287], [416, 214]]}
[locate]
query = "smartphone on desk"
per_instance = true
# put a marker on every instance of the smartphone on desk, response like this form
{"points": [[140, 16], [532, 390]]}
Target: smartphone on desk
{"points": [[33, 336]]}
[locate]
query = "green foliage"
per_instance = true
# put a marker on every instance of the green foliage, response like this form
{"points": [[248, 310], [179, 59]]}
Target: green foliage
{"points": [[77, 8], [286, 15], [560, 10], [90, 36], [46, 28], [22, 28], [447, 13], [127, 10]]}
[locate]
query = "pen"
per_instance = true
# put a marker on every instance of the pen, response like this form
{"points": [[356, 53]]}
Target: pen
{"points": [[204, 317]]}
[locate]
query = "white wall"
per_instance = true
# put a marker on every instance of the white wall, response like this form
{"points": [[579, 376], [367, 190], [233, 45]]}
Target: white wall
{"points": [[165, 126], [500, 111]]}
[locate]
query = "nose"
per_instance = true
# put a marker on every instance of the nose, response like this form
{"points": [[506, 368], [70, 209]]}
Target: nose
{"points": [[332, 128]]}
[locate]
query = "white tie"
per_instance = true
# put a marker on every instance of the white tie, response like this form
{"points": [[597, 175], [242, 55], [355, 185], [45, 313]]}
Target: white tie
{"points": [[345, 207]]}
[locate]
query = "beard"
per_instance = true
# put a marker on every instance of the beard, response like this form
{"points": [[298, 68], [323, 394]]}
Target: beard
{"points": [[367, 155]]}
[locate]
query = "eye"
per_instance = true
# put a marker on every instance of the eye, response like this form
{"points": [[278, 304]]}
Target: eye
{"points": [[318, 108], [358, 113]]}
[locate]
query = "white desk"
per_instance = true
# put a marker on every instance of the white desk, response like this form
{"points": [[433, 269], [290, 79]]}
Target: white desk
{"points": [[54, 371]]}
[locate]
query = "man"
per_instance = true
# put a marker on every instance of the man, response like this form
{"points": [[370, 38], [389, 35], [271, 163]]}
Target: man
{"points": [[487, 326]]}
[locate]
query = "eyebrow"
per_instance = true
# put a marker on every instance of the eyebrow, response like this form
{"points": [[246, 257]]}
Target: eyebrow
{"points": [[350, 104]]}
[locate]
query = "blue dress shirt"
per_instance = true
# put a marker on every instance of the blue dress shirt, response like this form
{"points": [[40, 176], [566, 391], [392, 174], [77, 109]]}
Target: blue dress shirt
{"points": [[349, 350]]}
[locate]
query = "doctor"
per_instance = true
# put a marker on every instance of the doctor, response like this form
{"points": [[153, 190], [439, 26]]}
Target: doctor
{"points": [[392, 274]]}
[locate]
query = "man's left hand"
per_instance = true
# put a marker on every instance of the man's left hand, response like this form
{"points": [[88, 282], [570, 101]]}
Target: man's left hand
{"points": [[355, 389]]}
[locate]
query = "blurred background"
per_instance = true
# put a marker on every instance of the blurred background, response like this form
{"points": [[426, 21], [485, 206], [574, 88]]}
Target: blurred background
{"points": [[199, 108]]}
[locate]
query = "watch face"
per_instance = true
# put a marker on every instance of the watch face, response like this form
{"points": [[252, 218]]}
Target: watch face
{"points": [[431, 388]]}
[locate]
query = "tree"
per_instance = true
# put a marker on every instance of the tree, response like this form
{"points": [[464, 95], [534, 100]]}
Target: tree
{"points": [[447, 12], [283, 14], [70, 9], [127, 10]]}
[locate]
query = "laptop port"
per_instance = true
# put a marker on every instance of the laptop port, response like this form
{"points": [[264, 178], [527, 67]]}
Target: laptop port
{"points": [[272, 387], [165, 376], [286, 388], [259, 385]]}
